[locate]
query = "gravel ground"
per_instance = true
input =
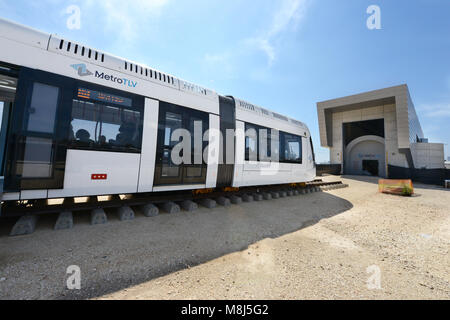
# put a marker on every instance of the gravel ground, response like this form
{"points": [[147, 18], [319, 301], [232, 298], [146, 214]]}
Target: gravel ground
{"points": [[316, 246]]}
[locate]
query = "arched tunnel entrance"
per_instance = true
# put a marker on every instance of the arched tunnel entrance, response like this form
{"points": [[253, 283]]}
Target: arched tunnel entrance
{"points": [[366, 156], [364, 148]]}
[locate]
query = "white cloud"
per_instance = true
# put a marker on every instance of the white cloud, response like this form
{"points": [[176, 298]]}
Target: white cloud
{"points": [[264, 45], [217, 58], [222, 63], [289, 15], [290, 12], [125, 18], [436, 110]]}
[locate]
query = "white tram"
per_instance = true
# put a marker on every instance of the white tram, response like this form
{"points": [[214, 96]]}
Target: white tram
{"points": [[79, 122]]}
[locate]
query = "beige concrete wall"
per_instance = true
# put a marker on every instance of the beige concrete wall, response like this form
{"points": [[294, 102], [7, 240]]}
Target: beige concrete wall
{"points": [[365, 101], [386, 112], [402, 126], [428, 155]]}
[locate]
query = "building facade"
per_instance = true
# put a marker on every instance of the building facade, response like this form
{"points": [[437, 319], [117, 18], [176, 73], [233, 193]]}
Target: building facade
{"points": [[377, 133]]}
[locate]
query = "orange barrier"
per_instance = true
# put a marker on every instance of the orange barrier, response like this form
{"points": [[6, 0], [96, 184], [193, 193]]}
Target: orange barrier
{"points": [[397, 187]]}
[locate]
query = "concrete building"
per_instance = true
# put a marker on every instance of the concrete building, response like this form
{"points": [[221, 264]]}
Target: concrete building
{"points": [[377, 133]]}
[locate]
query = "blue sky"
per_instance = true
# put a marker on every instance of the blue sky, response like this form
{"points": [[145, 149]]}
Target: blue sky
{"points": [[284, 55]]}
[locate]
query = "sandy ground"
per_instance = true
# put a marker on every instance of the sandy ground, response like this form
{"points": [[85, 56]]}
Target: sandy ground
{"points": [[318, 246]]}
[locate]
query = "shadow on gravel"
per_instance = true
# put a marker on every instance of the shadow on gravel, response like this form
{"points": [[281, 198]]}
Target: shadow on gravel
{"points": [[119, 255]]}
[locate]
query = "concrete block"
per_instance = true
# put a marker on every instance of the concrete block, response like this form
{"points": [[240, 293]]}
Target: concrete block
{"points": [[258, 197], [189, 205], [290, 193], [389, 108], [373, 111], [275, 195], [337, 116], [208, 203], [150, 210], [125, 213], [283, 194], [25, 225], [296, 192], [267, 196], [350, 116], [236, 200], [64, 221], [98, 216], [171, 207], [247, 198], [225, 202]]}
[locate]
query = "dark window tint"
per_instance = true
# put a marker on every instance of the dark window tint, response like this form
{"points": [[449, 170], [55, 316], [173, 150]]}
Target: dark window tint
{"points": [[173, 122], [265, 145], [292, 148], [189, 171], [105, 127], [42, 110], [258, 143], [37, 159], [251, 142]]}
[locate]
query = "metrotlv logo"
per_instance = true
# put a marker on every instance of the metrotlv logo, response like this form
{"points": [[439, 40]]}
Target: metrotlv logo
{"points": [[82, 70]]}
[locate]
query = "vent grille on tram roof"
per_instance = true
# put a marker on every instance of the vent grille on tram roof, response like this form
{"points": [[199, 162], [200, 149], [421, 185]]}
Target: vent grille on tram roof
{"points": [[280, 117], [149, 73], [81, 51], [86, 53], [247, 106], [251, 107], [193, 88], [297, 122]]}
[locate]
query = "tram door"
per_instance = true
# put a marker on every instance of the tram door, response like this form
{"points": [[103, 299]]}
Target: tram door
{"points": [[8, 86], [37, 132], [195, 124], [227, 144]]}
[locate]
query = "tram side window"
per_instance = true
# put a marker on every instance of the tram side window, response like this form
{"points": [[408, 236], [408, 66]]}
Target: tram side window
{"points": [[42, 112], [258, 143], [270, 145], [291, 148], [251, 142], [105, 127]]}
